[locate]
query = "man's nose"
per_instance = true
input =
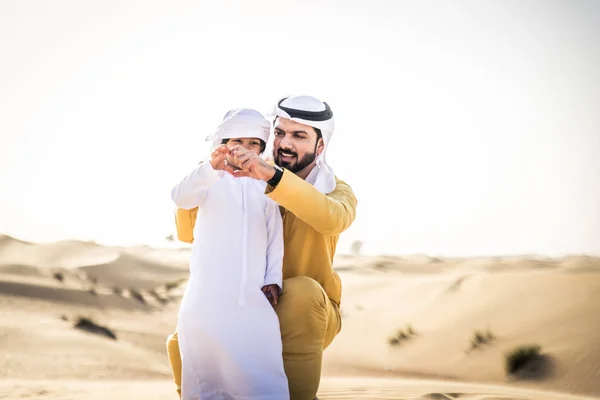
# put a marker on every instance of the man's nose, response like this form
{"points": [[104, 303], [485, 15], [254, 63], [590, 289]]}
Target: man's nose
{"points": [[285, 143]]}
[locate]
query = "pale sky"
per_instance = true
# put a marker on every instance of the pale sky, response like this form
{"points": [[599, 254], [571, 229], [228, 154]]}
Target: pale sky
{"points": [[464, 128]]}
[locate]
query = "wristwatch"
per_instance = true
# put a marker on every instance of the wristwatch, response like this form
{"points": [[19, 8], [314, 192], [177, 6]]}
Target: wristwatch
{"points": [[274, 181]]}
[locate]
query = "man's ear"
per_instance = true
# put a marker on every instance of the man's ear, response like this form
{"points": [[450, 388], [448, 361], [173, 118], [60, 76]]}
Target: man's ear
{"points": [[320, 146]]}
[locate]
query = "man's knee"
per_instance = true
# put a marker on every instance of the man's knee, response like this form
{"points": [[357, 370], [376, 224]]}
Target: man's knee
{"points": [[302, 315], [304, 299]]}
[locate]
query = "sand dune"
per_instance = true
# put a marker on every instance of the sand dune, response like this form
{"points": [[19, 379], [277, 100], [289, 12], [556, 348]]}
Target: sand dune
{"points": [[135, 292], [99, 265], [64, 254], [554, 309], [130, 271]]}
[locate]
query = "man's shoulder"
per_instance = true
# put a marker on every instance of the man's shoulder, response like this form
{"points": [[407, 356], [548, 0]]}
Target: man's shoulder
{"points": [[341, 184], [342, 190]]}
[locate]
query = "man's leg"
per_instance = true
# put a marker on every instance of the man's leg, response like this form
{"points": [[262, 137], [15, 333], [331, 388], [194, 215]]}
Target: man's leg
{"points": [[309, 322], [175, 360]]}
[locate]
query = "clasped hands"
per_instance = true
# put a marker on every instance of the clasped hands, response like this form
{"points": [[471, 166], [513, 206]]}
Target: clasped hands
{"points": [[240, 162]]}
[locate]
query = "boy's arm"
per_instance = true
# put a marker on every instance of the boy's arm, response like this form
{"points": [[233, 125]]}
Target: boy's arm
{"points": [[328, 214], [273, 273], [191, 191], [185, 220]]}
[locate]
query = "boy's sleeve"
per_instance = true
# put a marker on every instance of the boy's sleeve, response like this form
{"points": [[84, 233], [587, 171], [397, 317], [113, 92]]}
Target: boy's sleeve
{"points": [[273, 274], [185, 220], [191, 191]]}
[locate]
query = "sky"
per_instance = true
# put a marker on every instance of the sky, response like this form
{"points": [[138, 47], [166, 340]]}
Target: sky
{"points": [[465, 128]]}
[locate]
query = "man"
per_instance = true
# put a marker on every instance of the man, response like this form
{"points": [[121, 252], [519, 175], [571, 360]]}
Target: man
{"points": [[316, 208]]}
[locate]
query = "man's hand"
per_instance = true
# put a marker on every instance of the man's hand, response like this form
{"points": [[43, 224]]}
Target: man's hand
{"points": [[217, 158], [250, 164], [272, 293]]}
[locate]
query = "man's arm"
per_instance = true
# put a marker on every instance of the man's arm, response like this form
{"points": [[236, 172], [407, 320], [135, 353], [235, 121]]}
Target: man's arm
{"points": [[328, 214], [185, 220]]}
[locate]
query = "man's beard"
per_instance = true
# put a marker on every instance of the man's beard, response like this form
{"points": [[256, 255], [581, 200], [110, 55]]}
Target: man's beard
{"points": [[299, 165]]}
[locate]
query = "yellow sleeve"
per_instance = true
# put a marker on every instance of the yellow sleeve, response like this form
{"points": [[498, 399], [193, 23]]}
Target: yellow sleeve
{"points": [[185, 221], [328, 214]]}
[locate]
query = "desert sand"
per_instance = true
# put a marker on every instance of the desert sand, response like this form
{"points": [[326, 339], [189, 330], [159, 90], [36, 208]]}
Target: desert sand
{"points": [[437, 304]]}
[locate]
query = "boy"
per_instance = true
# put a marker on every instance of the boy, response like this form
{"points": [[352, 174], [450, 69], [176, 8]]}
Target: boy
{"points": [[229, 335]]}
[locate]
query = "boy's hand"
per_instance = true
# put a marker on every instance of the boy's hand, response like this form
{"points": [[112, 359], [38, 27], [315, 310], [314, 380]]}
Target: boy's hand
{"points": [[272, 293], [251, 164], [217, 158]]}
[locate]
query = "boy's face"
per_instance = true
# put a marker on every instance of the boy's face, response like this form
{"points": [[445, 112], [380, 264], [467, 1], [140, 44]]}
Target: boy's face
{"points": [[251, 144]]}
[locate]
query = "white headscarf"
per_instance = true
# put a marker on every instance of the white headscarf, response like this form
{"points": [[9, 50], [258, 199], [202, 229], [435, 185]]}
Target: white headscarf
{"points": [[241, 123], [313, 112]]}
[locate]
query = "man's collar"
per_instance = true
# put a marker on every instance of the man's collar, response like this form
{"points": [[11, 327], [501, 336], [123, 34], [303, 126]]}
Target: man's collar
{"points": [[312, 175]]}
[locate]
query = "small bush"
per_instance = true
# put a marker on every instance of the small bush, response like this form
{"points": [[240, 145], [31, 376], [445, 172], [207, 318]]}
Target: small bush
{"points": [[59, 276], [158, 296], [136, 294], [401, 334], [479, 338], [521, 356], [174, 284], [88, 325]]}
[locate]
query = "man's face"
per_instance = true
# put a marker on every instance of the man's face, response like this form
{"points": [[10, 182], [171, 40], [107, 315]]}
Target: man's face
{"points": [[296, 145]]}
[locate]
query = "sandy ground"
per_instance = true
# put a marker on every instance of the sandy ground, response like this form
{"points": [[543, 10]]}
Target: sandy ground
{"points": [[134, 292], [339, 388]]}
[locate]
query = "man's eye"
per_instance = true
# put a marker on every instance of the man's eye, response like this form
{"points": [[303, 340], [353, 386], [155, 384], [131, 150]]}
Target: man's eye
{"points": [[278, 133], [255, 144]]}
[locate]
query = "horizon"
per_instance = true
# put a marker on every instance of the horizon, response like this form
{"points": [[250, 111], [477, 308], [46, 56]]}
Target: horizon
{"points": [[177, 245]]}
